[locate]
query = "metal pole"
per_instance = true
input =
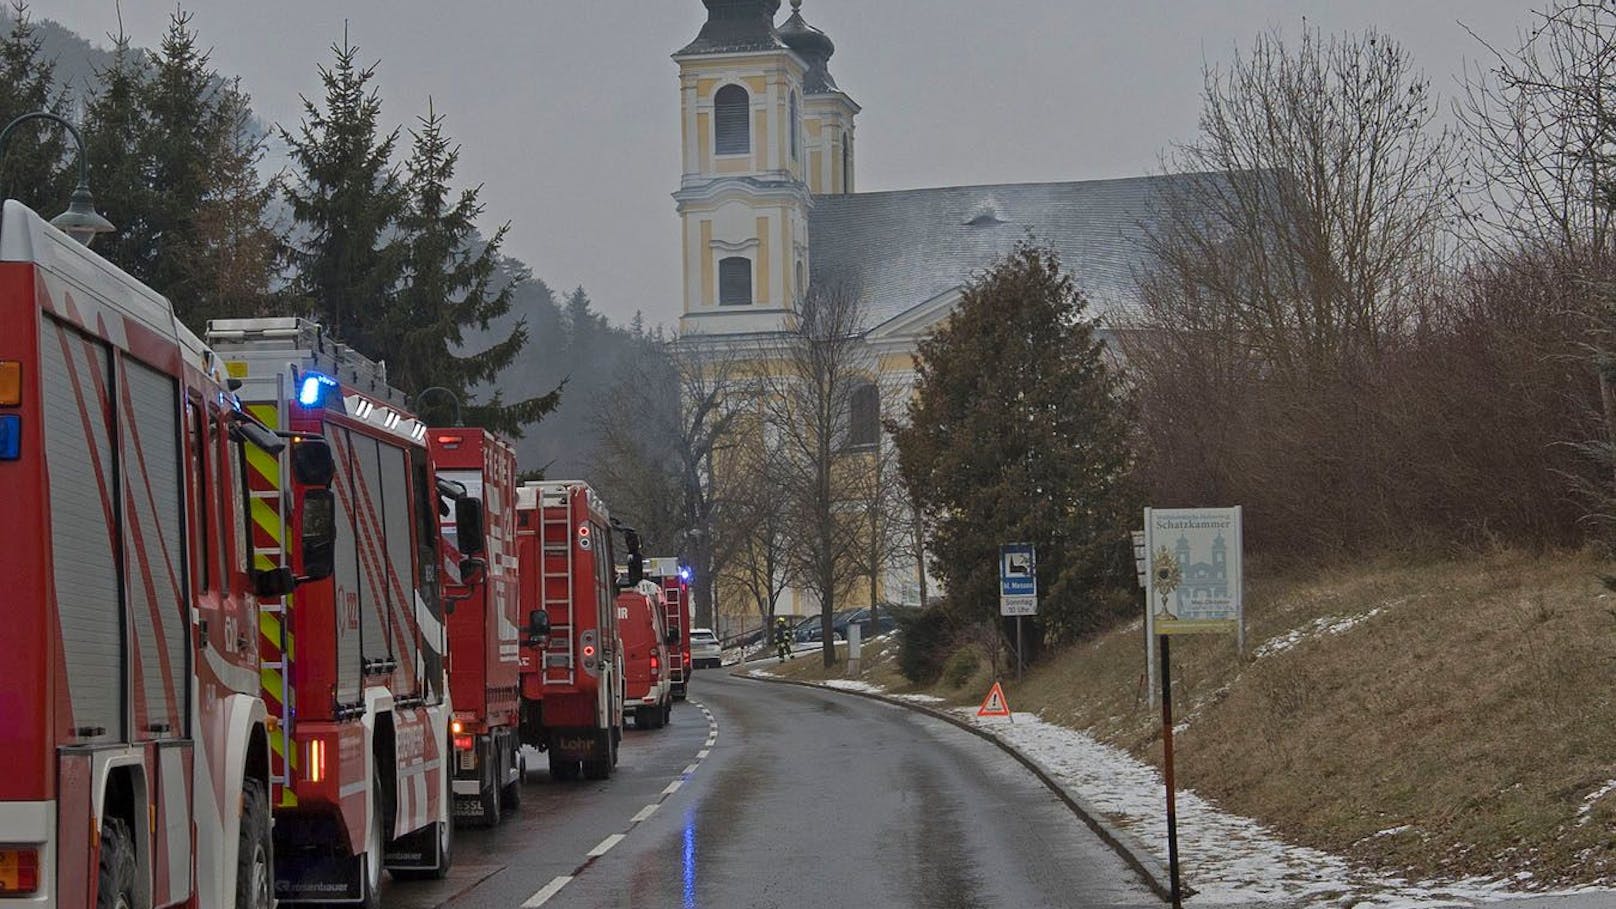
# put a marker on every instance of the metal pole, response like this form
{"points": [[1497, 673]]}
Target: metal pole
{"points": [[1167, 760], [454, 400], [84, 161], [1019, 661]]}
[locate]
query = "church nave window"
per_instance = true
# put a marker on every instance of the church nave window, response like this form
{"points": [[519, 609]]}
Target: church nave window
{"points": [[732, 114], [735, 281]]}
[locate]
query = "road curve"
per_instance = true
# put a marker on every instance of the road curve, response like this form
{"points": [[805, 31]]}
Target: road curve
{"points": [[813, 798]]}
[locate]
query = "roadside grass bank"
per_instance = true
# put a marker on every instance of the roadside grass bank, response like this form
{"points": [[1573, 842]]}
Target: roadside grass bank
{"points": [[1436, 720]]}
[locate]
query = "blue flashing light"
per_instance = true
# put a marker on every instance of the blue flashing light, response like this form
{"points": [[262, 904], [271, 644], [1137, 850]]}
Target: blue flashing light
{"points": [[684, 574], [10, 437], [312, 391]]}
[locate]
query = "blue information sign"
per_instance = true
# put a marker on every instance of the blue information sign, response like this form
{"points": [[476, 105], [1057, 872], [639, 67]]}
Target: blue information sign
{"points": [[1018, 579]]}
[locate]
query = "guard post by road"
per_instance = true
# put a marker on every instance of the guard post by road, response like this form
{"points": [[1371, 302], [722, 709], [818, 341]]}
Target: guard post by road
{"points": [[1018, 589]]}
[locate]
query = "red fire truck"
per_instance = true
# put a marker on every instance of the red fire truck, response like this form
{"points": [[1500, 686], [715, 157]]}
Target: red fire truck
{"points": [[132, 732], [572, 674], [675, 582], [353, 670], [483, 658], [641, 623]]}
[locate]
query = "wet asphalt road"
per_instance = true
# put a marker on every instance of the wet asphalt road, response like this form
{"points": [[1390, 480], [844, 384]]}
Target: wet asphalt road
{"points": [[812, 798]]}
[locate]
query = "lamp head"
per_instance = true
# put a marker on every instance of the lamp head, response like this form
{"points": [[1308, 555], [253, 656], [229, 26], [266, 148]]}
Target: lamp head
{"points": [[80, 221]]}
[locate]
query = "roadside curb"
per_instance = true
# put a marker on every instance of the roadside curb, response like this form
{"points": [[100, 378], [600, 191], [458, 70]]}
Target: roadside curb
{"points": [[1125, 844]]}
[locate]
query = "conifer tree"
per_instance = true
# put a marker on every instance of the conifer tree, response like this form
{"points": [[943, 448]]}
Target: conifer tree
{"points": [[32, 165], [452, 282], [346, 199], [238, 251], [1019, 372], [114, 125]]}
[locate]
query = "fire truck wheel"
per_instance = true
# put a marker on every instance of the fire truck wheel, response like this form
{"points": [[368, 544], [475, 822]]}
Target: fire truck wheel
{"points": [[600, 769], [667, 712], [371, 886], [116, 883], [511, 795], [253, 850], [488, 803], [561, 769]]}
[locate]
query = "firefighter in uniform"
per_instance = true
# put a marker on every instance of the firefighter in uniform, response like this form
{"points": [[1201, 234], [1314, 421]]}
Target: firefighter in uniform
{"points": [[782, 638]]}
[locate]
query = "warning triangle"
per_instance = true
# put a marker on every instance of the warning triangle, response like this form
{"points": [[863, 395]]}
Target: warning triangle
{"points": [[994, 704]]}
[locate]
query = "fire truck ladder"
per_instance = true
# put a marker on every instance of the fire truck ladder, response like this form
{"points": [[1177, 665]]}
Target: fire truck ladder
{"points": [[555, 539], [281, 709]]}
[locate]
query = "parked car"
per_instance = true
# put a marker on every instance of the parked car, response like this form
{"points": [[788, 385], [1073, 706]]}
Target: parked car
{"points": [[812, 628], [705, 651], [885, 621]]}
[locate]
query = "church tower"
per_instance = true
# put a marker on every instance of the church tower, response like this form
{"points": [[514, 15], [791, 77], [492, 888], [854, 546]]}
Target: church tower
{"points": [[755, 125]]}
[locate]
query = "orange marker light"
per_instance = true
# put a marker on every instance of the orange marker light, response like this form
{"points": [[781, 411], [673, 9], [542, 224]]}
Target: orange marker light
{"points": [[10, 383]]}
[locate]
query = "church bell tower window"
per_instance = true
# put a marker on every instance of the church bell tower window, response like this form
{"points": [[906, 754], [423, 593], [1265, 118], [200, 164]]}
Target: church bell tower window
{"points": [[732, 113], [735, 281]]}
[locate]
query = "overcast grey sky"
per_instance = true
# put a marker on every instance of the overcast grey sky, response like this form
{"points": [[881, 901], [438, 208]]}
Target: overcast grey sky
{"points": [[568, 109]]}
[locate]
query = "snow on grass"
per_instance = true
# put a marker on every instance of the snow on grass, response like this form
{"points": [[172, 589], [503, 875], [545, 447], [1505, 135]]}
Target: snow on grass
{"points": [[1586, 812], [1334, 624], [1227, 859]]}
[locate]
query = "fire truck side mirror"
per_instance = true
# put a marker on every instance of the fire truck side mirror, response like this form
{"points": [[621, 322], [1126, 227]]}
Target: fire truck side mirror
{"points": [[473, 570], [538, 627], [469, 526], [319, 534], [312, 463], [274, 583]]}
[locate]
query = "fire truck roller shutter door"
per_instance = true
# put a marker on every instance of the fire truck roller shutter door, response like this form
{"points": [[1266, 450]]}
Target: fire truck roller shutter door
{"points": [[399, 547], [78, 454], [348, 580], [152, 495], [375, 638]]}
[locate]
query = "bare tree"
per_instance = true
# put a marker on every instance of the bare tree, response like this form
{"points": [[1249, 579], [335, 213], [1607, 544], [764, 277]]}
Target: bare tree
{"points": [[658, 426], [808, 378], [751, 526], [887, 537]]}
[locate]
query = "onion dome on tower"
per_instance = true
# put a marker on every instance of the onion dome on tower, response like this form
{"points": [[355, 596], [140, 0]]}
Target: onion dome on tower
{"points": [[736, 26], [814, 46]]}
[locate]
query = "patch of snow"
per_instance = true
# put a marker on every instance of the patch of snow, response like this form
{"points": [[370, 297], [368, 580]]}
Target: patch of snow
{"points": [[918, 698], [1318, 627], [1586, 812], [852, 685], [1393, 831]]}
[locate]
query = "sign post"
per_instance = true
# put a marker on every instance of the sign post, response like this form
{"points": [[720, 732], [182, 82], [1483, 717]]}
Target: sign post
{"points": [[1152, 680], [1194, 584], [1018, 588]]}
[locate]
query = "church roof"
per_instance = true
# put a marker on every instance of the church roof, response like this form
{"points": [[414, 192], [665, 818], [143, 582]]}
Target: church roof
{"points": [[736, 26], [901, 249], [812, 45]]}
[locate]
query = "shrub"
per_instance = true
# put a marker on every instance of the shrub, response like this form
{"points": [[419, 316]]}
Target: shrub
{"points": [[925, 637], [963, 664]]}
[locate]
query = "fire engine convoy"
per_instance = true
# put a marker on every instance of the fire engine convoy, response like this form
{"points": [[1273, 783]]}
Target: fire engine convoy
{"points": [[483, 619], [675, 582], [270, 633]]}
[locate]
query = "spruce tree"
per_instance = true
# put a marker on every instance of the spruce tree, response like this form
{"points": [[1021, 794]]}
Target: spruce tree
{"points": [[452, 282], [1019, 372], [346, 199], [33, 165], [115, 125], [238, 252]]}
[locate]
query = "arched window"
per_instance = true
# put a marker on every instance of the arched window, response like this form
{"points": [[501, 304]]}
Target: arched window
{"points": [[864, 417], [794, 126], [732, 112], [735, 281]]}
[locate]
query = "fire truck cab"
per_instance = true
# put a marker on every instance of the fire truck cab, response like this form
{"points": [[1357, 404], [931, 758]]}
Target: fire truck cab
{"points": [[572, 675], [353, 666], [483, 618], [133, 733]]}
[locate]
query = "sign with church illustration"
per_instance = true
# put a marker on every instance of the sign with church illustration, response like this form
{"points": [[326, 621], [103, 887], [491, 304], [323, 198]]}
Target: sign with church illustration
{"points": [[1193, 578]]}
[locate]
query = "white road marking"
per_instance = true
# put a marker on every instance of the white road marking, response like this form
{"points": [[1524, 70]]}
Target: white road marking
{"points": [[691, 768], [605, 846], [673, 787], [544, 893], [702, 754], [645, 812]]}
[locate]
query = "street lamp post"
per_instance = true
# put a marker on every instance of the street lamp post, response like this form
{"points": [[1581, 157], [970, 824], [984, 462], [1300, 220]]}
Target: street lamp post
{"points": [[80, 221], [453, 400]]}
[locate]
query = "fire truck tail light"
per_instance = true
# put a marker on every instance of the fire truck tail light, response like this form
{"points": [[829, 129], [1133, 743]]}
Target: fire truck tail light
{"points": [[10, 437], [455, 727], [10, 383], [19, 870], [463, 742], [316, 761], [589, 650]]}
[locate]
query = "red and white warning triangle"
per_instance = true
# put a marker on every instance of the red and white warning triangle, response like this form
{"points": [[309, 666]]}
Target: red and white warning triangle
{"points": [[994, 704]]}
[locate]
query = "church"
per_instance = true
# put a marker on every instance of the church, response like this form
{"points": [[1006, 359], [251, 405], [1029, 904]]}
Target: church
{"points": [[769, 207]]}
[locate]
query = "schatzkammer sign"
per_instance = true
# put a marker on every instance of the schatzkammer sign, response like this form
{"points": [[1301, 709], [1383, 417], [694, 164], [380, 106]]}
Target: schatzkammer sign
{"points": [[1193, 576]]}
